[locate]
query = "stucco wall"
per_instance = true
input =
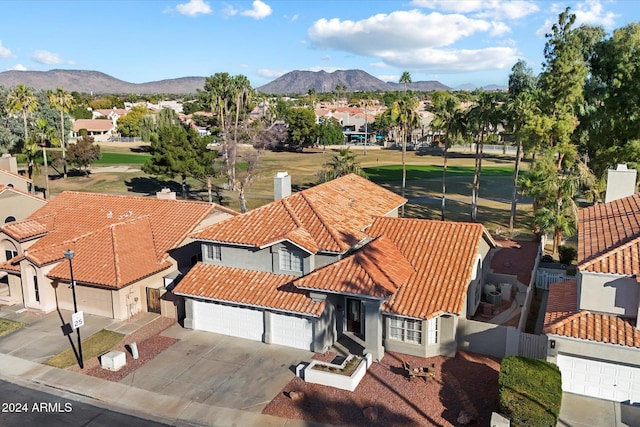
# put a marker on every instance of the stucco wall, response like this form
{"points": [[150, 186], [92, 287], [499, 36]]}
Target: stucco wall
{"points": [[445, 346], [583, 348], [17, 205], [480, 337], [608, 293]]}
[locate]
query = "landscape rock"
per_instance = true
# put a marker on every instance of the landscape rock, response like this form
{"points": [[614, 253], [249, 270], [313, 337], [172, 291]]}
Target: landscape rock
{"points": [[370, 413], [296, 395]]}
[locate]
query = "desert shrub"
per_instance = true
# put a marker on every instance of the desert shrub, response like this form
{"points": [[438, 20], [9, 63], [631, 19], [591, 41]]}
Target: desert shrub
{"points": [[567, 254], [530, 391]]}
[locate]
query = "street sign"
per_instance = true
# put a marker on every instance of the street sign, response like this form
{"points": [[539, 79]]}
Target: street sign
{"points": [[77, 319]]}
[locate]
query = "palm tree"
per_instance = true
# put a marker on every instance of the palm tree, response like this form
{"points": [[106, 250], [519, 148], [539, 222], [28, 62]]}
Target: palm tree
{"points": [[22, 100], [404, 113], [405, 78], [451, 120], [62, 101], [46, 133], [344, 163]]}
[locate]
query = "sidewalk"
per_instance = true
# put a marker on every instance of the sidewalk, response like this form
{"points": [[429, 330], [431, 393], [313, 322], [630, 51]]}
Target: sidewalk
{"points": [[23, 352]]}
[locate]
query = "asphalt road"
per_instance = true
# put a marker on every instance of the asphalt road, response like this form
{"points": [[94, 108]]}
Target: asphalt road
{"points": [[20, 406]]}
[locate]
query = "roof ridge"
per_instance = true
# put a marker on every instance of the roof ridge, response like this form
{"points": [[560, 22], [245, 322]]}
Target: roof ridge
{"points": [[321, 219], [621, 245], [116, 258]]}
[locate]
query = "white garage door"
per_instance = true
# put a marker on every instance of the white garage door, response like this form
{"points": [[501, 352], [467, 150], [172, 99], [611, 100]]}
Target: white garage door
{"points": [[89, 300], [223, 319], [291, 331], [600, 379]]}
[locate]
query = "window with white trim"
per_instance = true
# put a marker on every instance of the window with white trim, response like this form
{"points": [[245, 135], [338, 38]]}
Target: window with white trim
{"points": [[407, 330], [290, 260], [213, 252], [432, 331]]}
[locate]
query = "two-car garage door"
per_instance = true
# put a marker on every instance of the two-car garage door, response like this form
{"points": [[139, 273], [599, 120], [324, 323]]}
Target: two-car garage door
{"points": [[241, 322], [596, 378]]}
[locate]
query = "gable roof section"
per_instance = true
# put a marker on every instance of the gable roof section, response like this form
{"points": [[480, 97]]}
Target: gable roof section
{"points": [[623, 259], [329, 217], [605, 226], [114, 256], [101, 125], [15, 175], [257, 288], [563, 319], [8, 189], [377, 270], [443, 255], [108, 228]]}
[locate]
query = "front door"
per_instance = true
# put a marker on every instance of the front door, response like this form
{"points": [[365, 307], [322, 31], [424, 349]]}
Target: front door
{"points": [[354, 316], [153, 300]]}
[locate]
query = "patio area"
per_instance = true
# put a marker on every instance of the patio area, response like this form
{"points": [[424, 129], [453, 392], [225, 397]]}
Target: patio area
{"points": [[464, 386]]}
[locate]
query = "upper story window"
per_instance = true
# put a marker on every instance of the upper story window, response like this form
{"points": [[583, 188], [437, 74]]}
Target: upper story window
{"points": [[290, 260], [213, 252]]}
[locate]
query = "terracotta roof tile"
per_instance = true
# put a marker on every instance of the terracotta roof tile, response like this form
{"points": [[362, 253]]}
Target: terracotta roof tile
{"points": [[255, 288], [443, 255], [562, 318], [333, 216], [378, 270], [93, 125], [106, 227]]}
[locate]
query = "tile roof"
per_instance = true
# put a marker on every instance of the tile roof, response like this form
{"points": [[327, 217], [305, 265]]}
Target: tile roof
{"points": [[7, 188], [329, 217], [119, 228], [255, 288], [377, 270], [444, 257], [623, 259], [606, 225], [93, 125], [562, 318]]}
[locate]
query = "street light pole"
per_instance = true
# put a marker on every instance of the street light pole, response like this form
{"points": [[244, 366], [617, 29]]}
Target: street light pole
{"points": [[68, 254]]}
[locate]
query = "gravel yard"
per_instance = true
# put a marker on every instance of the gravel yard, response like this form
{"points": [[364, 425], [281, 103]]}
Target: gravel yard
{"points": [[466, 385]]}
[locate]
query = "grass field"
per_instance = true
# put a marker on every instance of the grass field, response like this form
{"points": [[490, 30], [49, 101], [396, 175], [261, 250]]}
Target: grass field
{"points": [[423, 189], [8, 326], [94, 346]]}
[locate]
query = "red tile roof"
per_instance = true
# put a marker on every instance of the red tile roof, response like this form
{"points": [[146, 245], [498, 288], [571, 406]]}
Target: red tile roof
{"points": [[562, 318], [93, 125], [255, 288], [330, 217], [444, 257], [118, 236], [377, 270]]}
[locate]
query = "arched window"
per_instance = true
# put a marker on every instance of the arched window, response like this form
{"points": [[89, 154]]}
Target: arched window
{"points": [[9, 219]]}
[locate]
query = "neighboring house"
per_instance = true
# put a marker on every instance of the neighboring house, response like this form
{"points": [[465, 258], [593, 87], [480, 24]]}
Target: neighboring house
{"points": [[114, 114], [9, 175], [16, 205], [592, 322], [100, 130], [127, 251], [335, 260]]}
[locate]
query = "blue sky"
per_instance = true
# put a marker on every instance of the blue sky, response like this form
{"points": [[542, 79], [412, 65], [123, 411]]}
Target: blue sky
{"points": [[454, 42]]}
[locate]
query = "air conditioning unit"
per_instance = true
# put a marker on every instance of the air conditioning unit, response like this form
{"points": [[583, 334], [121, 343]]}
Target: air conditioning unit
{"points": [[494, 298]]}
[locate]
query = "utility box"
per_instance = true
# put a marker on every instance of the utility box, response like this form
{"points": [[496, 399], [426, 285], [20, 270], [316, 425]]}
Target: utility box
{"points": [[113, 360]]}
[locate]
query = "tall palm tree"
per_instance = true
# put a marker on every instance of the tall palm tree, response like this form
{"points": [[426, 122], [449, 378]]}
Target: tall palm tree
{"points": [[44, 134], [62, 101], [22, 100], [404, 79], [242, 94], [404, 113], [344, 163], [451, 121]]}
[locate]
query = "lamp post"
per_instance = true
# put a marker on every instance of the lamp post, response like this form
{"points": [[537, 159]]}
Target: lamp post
{"points": [[68, 254]]}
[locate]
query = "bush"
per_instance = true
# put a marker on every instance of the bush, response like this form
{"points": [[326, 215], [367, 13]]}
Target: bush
{"points": [[530, 391], [567, 254]]}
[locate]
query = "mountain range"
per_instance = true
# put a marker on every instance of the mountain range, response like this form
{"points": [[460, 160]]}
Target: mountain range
{"points": [[294, 82]]}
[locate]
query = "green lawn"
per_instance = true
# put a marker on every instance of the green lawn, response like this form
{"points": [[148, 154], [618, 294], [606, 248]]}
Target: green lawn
{"points": [[97, 344], [394, 172], [109, 158], [8, 326]]}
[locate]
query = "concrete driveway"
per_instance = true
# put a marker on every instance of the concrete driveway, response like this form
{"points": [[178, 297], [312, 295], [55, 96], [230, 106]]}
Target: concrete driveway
{"points": [[219, 370], [583, 411]]}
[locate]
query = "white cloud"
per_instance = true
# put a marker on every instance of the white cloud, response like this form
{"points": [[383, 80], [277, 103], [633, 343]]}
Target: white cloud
{"points": [[45, 57], [265, 72], [591, 12], [490, 9], [389, 78], [194, 8], [18, 67], [4, 52], [229, 11], [260, 10], [416, 41], [379, 65], [294, 18]]}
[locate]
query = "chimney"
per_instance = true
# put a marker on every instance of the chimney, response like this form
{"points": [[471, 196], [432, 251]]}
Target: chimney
{"points": [[166, 194], [281, 185], [621, 182], [8, 163]]}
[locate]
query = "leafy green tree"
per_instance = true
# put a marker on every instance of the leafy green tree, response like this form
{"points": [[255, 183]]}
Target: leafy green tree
{"points": [[46, 134], [130, 123], [302, 128], [22, 100], [404, 113], [63, 102], [330, 132], [342, 164], [83, 153], [180, 152], [521, 79]]}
